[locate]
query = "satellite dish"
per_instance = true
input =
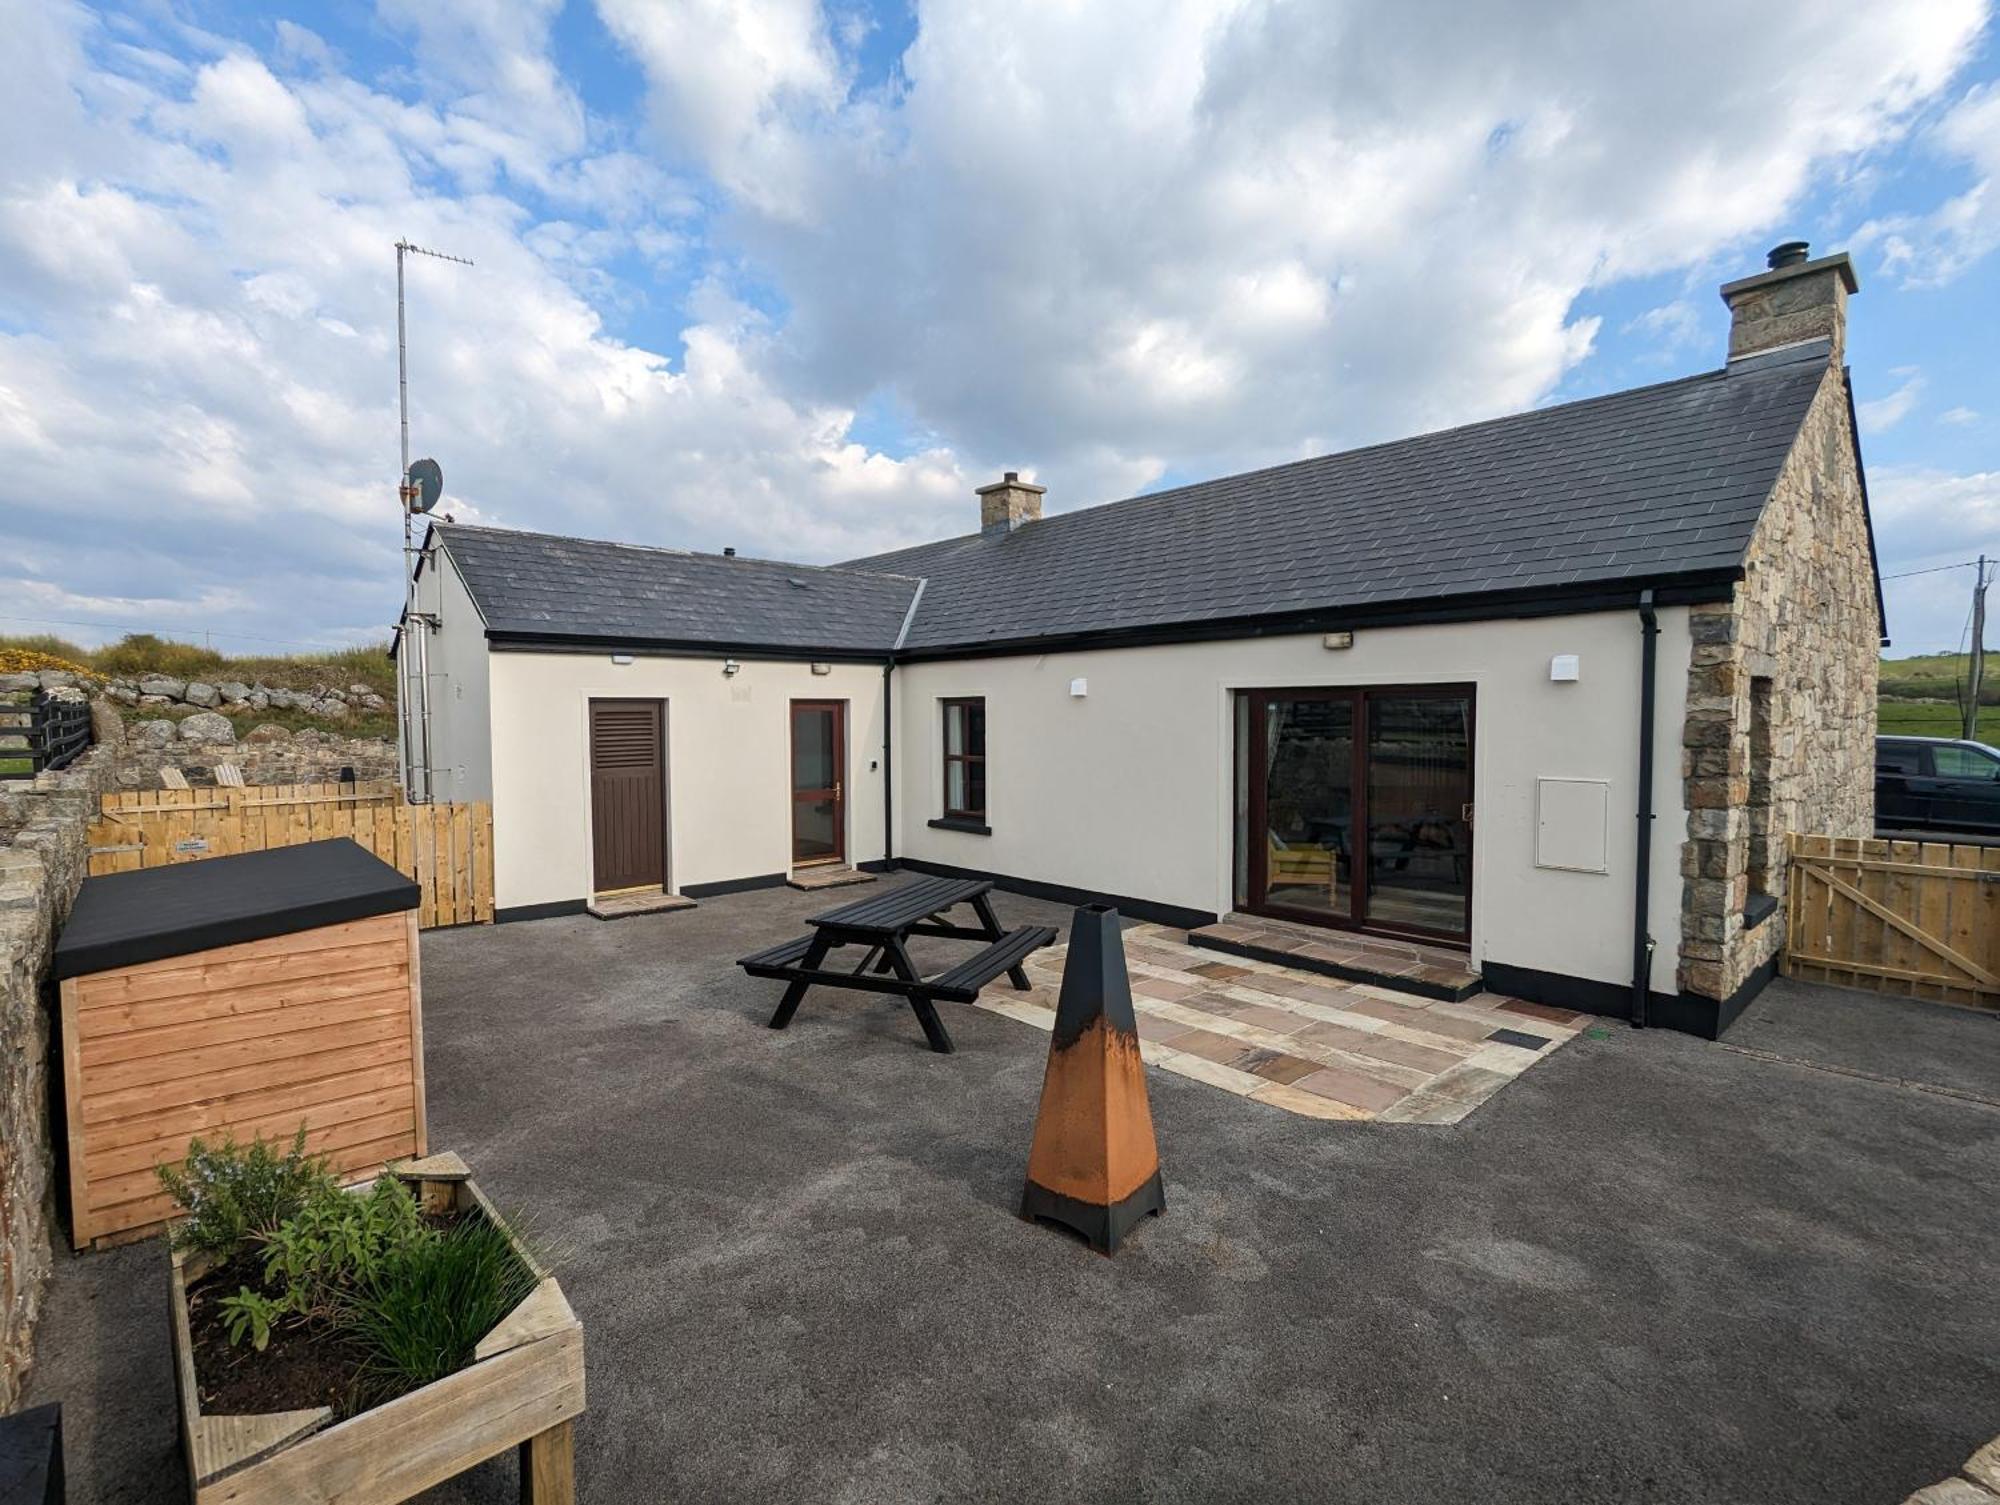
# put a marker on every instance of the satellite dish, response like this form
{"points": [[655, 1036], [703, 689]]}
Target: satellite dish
{"points": [[428, 479]]}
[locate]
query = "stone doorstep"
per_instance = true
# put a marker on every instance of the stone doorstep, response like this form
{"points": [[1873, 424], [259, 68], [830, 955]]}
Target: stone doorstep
{"points": [[1382, 968], [624, 906], [811, 879]]}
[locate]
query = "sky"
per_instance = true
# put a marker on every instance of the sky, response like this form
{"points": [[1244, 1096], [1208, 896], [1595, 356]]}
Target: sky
{"points": [[796, 277]]}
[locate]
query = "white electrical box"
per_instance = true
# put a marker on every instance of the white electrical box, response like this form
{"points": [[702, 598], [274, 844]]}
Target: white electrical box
{"points": [[1565, 668], [1572, 824], [1079, 688]]}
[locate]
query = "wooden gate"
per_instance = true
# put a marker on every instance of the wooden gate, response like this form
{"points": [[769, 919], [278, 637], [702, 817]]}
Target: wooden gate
{"points": [[1917, 919], [448, 849]]}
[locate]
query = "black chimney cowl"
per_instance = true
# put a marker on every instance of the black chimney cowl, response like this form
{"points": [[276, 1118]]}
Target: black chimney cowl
{"points": [[1789, 254]]}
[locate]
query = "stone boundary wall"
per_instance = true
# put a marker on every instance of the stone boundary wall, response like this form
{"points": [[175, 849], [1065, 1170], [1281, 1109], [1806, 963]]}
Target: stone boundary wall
{"points": [[43, 857], [132, 757], [327, 702]]}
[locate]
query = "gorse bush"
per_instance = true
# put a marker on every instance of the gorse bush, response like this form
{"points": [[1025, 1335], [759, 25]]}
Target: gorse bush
{"points": [[232, 1194], [142, 653], [424, 1309]]}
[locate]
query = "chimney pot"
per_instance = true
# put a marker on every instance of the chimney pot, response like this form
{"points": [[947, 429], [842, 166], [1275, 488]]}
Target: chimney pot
{"points": [[729, 551], [1787, 254], [1008, 503]]}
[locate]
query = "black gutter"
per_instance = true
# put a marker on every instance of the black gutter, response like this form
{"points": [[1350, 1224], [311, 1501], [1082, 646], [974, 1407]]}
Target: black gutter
{"points": [[504, 640], [1689, 589], [1642, 881]]}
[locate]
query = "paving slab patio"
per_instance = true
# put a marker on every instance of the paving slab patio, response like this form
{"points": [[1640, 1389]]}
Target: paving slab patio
{"points": [[1331, 1049]]}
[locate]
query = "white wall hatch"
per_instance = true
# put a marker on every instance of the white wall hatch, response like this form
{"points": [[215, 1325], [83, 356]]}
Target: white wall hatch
{"points": [[1571, 823]]}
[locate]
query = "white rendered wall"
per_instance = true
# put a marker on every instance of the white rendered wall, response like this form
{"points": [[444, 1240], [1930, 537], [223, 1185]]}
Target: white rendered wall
{"points": [[1127, 791], [729, 785], [461, 740]]}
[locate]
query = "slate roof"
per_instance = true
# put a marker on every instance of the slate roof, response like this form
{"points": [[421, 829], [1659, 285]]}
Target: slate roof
{"points": [[536, 585], [1647, 484], [1656, 485]]}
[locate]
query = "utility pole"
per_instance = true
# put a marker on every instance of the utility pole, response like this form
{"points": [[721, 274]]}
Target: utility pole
{"points": [[1969, 712]]}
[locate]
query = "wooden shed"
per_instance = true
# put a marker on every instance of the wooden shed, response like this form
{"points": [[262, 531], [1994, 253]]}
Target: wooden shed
{"points": [[239, 995]]}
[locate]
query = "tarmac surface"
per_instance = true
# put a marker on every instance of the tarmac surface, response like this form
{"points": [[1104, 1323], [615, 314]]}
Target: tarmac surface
{"points": [[1652, 1269]]}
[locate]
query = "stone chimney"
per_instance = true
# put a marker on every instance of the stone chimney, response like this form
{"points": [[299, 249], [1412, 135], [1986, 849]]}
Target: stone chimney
{"points": [[1008, 503], [1798, 299]]}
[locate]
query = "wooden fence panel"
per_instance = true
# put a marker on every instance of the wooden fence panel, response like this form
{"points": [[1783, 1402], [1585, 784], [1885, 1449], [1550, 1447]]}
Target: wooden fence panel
{"points": [[447, 849], [1915, 920]]}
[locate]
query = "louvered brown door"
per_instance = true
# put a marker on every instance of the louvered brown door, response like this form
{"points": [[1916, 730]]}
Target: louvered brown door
{"points": [[628, 809]]}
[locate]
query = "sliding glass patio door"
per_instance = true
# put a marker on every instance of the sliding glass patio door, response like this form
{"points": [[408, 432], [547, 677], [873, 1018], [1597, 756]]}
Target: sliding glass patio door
{"points": [[1355, 808]]}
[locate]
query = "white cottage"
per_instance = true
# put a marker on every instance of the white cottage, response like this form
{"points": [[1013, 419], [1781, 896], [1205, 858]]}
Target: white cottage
{"points": [[1543, 694]]}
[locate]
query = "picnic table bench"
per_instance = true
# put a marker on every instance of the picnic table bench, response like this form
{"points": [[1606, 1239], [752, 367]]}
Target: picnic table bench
{"points": [[884, 924]]}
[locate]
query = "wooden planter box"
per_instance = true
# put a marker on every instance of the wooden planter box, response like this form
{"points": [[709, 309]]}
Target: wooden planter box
{"points": [[237, 995], [523, 1389]]}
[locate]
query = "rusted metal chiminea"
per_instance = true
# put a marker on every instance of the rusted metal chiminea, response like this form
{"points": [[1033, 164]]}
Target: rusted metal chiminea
{"points": [[1095, 1166]]}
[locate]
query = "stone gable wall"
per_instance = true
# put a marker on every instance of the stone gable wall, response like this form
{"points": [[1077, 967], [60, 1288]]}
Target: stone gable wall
{"points": [[1803, 618]]}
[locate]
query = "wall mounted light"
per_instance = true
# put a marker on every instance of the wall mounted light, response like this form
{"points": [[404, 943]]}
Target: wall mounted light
{"points": [[621, 658], [729, 667], [1078, 688], [1337, 640], [1565, 668], [822, 668]]}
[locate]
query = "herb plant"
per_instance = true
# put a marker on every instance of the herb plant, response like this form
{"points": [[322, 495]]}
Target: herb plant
{"points": [[232, 1194], [425, 1308]]}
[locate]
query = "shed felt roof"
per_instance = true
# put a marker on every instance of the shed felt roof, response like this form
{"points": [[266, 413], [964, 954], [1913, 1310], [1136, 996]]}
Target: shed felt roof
{"points": [[1650, 485], [537, 585], [123, 919], [1645, 484]]}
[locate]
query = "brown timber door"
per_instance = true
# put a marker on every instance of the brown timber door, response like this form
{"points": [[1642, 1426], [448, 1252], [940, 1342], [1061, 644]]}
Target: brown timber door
{"points": [[628, 805], [819, 795]]}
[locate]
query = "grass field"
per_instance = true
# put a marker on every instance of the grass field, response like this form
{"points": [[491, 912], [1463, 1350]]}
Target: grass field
{"points": [[1919, 696], [1916, 718]]}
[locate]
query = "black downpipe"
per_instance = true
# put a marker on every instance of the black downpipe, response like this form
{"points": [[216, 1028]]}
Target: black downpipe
{"points": [[1642, 882], [888, 767]]}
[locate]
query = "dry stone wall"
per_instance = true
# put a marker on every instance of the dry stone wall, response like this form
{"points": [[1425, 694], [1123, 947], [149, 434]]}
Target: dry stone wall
{"points": [[1780, 732], [327, 702], [43, 856]]}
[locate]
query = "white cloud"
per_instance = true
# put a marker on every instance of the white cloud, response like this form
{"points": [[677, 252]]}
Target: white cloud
{"points": [[197, 352], [1092, 242], [1047, 235], [1930, 250], [1925, 518], [1958, 417], [1884, 413]]}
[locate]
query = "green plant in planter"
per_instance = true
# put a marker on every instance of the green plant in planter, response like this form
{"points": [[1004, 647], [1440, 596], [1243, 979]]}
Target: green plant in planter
{"points": [[231, 1194], [338, 1240], [423, 1310]]}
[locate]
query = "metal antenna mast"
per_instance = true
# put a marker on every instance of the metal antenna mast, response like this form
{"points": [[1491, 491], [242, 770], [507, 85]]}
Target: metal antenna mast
{"points": [[413, 710]]}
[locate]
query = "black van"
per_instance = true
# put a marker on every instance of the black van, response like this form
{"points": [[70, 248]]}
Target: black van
{"points": [[1936, 784]]}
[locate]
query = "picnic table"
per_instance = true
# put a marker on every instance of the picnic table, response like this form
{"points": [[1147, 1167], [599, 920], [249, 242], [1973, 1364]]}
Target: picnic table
{"points": [[884, 924]]}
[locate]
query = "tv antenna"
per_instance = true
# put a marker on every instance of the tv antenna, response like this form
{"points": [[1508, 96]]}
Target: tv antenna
{"points": [[417, 490]]}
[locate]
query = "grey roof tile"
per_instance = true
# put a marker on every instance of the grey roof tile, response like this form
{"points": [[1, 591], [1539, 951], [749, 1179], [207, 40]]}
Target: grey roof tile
{"points": [[1651, 483], [1656, 481], [540, 585]]}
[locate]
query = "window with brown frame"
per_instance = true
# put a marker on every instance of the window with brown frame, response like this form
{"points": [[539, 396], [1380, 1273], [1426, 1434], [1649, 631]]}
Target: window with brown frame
{"points": [[965, 760]]}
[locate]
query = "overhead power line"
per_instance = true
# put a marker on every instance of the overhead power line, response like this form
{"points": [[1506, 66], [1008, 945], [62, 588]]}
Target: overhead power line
{"points": [[1963, 564]]}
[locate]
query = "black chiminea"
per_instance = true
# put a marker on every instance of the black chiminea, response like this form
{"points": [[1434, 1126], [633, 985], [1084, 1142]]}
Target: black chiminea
{"points": [[1790, 254]]}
